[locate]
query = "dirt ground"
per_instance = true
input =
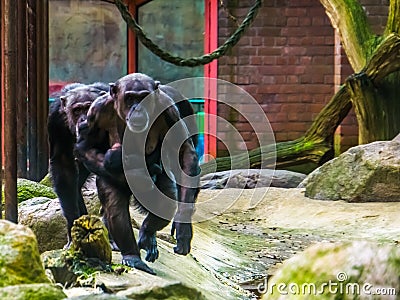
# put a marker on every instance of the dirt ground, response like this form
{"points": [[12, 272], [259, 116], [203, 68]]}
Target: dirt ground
{"points": [[245, 244]]}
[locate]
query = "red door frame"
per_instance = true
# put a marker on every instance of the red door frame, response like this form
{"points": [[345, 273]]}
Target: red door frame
{"points": [[210, 70]]}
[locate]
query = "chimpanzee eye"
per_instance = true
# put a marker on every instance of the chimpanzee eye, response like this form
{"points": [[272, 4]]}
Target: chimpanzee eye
{"points": [[129, 101]]}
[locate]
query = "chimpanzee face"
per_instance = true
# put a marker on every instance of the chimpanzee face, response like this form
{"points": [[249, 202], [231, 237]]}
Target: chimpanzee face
{"points": [[76, 104], [128, 94]]}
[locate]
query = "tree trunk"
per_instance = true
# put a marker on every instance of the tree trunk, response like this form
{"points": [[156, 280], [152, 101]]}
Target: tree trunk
{"points": [[90, 238], [375, 103]]}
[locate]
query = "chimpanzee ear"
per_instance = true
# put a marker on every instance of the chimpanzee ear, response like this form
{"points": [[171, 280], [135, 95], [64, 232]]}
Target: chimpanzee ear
{"points": [[113, 89], [156, 84], [63, 102]]}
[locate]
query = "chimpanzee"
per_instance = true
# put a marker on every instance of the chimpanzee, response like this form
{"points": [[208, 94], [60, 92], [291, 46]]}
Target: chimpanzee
{"points": [[68, 174], [149, 111]]}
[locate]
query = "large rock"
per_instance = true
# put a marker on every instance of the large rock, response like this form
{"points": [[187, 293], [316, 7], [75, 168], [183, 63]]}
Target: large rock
{"points": [[362, 174], [139, 285], [251, 178], [354, 270], [45, 218], [19, 256], [38, 291]]}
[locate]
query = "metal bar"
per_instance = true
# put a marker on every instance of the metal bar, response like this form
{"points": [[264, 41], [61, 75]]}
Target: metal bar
{"points": [[10, 108], [22, 109], [1, 109], [42, 87], [32, 83]]}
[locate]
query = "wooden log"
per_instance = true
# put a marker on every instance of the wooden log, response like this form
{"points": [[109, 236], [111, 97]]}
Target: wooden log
{"points": [[90, 238]]}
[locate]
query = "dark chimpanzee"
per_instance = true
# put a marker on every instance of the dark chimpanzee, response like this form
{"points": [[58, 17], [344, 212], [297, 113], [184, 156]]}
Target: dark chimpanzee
{"points": [[68, 174], [149, 111]]}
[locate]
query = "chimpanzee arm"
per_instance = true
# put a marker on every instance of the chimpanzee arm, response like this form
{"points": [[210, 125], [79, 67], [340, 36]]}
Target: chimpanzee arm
{"points": [[188, 189], [92, 150], [187, 175]]}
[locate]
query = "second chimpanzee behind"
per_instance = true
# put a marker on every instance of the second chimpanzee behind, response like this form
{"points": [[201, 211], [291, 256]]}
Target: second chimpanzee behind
{"points": [[68, 174]]}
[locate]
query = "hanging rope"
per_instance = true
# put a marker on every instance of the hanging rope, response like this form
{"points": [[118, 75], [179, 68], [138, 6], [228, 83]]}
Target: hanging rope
{"points": [[192, 61]]}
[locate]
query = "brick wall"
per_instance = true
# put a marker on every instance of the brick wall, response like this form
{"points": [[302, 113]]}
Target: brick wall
{"points": [[285, 61], [290, 62]]}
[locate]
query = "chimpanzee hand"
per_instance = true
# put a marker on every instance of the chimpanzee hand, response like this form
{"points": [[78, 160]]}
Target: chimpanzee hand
{"points": [[148, 242], [82, 130], [134, 261], [184, 234], [113, 159]]}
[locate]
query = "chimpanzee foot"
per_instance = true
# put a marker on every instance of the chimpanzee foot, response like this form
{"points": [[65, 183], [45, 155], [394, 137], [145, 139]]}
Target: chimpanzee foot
{"points": [[148, 242], [184, 234], [67, 245], [134, 261], [113, 245]]}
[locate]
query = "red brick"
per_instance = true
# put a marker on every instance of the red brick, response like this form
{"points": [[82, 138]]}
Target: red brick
{"points": [[256, 60], [256, 41], [304, 21], [281, 136], [296, 12], [292, 21]]}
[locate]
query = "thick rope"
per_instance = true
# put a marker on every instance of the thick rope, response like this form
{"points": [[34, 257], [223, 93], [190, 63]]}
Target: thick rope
{"points": [[192, 61]]}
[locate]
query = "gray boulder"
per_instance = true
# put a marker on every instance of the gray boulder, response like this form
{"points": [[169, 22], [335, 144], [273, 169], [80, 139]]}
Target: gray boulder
{"points": [[251, 178], [364, 173], [45, 218], [358, 270]]}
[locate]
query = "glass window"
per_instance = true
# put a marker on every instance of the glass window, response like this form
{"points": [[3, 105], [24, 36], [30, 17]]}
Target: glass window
{"points": [[87, 42], [178, 27]]}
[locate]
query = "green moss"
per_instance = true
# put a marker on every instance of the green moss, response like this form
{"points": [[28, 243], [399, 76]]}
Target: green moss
{"points": [[32, 292], [47, 181], [27, 189], [19, 256]]}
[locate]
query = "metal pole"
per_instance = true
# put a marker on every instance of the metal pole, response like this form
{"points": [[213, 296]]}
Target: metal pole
{"points": [[22, 106], [1, 109], [43, 87], [38, 82], [32, 84], [10, 108]]}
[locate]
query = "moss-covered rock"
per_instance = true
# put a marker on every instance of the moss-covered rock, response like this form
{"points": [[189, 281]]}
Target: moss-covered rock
{"points": [[337, 271], [45, 218], [166, 290], [98, 297], [39, 291], [28, 189], [47, 181], [19, 256], [364, 173]]}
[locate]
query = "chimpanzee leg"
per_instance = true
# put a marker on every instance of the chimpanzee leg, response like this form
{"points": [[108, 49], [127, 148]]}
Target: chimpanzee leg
{"points": [[113, 244], [115, 202], [83, 175], [153, 223], [64, 172]]}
